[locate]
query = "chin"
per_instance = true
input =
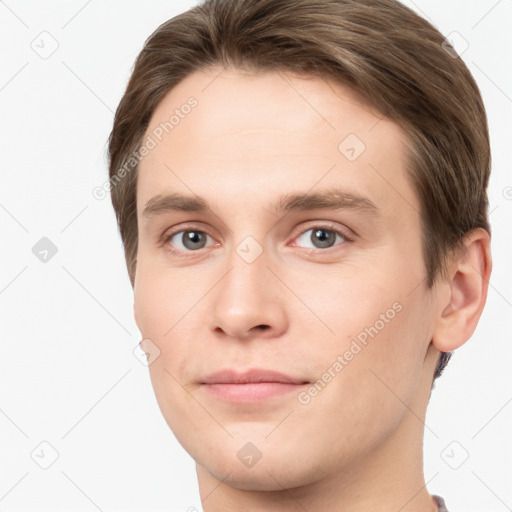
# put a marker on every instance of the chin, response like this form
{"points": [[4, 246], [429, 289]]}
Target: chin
{"points": [[268, 474], [261, 479]]}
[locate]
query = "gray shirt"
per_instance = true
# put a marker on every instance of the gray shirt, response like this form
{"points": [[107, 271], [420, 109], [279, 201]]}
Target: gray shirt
{"points": [[440, 503]]}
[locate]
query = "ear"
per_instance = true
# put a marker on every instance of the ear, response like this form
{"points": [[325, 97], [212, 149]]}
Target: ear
{"points": [[466, 286]]}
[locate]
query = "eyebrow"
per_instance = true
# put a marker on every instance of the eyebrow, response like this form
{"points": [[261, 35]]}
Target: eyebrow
{"points": [[174, 203], [331, 198]]}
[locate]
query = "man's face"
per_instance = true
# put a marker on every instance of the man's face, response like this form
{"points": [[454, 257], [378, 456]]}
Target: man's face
{"points": [[331, 295]]}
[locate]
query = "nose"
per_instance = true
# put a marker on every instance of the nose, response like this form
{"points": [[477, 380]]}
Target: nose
{"points": [[249, 301]]}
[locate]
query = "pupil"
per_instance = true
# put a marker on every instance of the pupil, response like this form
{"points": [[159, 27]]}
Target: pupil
{"points": [[193, 238], [324, 238]]}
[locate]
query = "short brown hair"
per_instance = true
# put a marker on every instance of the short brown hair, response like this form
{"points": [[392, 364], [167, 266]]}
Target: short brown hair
{"points": [[395, 60]]}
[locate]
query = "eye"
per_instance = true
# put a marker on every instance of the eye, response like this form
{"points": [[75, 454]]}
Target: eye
{"points": [[192, 240], [321, 237], [187, 240]]}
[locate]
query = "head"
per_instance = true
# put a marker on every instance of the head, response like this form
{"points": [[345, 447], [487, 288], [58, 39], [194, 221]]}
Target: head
{"points": [[331, 172]]}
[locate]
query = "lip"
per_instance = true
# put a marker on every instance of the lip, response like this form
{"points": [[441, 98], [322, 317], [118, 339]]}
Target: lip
{"points": [[253, 385]]}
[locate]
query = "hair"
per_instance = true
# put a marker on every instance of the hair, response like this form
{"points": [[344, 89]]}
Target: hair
{"points": [[396, 61]]}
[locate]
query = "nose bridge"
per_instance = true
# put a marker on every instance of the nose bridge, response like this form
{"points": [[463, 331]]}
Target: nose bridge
{"points": [[248, 280], [248, 254], [247, 297]]}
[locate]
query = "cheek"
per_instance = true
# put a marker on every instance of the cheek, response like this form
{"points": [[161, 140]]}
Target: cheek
{"points": [[370, 368], [161, 305], [152, 306], [161, 298], [169, 307], [379, 331]]}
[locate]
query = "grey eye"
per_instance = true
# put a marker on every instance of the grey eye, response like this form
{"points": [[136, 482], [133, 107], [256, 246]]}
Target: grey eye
{"points": [[320, 238], [190, 240], [323, 237]]}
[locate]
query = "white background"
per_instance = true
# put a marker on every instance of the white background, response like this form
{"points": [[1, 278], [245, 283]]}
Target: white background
{"points": [[68, 375]]}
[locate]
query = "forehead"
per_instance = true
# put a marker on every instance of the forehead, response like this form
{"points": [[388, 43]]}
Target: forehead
{"points": [[249, 134]]}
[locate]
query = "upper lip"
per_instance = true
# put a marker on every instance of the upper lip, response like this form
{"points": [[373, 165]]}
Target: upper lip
{"points": [[253, 375]]}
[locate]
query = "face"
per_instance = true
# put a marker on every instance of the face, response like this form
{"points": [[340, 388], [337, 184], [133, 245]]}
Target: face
{"points": [[278, 232]]}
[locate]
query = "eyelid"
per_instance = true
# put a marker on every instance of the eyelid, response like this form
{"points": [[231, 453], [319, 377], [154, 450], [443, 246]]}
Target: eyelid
{"points": [[189, 226]]}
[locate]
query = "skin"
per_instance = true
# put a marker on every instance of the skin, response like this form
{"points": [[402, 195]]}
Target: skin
{"points": [[357, 445]]}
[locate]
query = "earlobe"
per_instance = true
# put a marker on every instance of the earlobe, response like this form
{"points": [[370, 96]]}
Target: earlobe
{"points": [[468, 285]]}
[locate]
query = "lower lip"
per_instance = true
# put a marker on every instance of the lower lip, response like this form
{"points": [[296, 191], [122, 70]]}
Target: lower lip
{"points": [[251, 392]]}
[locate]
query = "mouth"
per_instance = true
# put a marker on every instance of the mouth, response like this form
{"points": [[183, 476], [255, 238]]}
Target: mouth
{"points": [[254, 385]]}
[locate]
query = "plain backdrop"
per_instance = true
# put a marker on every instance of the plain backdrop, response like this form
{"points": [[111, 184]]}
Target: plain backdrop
{"points": [[80, 428]]}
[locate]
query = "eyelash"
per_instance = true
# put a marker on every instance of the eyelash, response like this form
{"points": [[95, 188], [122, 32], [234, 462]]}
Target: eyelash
{"points": [[168, 236]]}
